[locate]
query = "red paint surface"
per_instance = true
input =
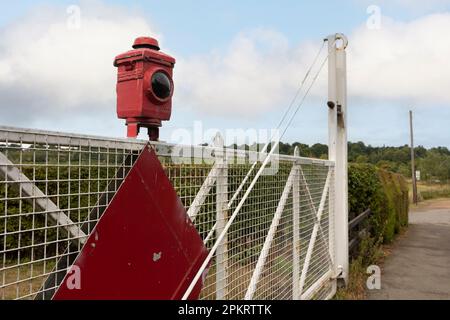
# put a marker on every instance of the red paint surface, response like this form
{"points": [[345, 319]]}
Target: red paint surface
{"points": [[144, 246]]}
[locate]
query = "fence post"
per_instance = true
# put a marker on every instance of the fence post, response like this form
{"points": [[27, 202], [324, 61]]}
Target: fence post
{"points": [[296, 230], [337, 144], [221, 217]]}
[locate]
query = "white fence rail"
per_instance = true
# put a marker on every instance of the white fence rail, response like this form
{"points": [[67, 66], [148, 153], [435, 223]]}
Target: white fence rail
{"points": [[55, 186]]}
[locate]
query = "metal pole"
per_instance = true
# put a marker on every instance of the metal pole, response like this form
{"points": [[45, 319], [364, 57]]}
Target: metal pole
{"points": [[296, 229], [222, 219], [337, 144], [413, 165]]}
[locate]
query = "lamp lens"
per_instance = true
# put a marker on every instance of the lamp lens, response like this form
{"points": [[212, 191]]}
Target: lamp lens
{"points": [[161, 85]]}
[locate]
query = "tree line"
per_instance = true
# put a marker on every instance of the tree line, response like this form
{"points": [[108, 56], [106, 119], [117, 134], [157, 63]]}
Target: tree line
{"points": [[433, 163]]}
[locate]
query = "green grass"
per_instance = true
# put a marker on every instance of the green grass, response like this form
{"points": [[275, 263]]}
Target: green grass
{"points": [[372, 254], [23, 280], [428, 190], [434, 192]]}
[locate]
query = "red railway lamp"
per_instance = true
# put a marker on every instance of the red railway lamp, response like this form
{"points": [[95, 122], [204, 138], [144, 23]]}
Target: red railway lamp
{"points": [[144, 87]]}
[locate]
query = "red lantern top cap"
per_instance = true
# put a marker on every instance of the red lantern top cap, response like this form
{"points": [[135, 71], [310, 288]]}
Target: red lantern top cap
{"points": [[146, 42]]}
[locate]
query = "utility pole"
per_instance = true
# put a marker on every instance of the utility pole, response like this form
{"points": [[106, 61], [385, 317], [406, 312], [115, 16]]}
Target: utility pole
{"points": [[413, 165]]}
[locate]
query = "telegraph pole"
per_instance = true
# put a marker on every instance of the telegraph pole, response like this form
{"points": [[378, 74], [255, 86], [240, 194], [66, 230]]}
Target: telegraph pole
{"points": [[413, 165]]}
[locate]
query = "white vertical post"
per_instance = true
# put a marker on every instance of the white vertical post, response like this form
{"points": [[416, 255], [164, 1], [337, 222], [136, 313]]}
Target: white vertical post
{"points": [[337, 144], [331, 234], [221, 218], [296, 230]]}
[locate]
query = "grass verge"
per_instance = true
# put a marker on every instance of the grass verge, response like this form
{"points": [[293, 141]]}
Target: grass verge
{"points": [[427, 190], [357, 288]]}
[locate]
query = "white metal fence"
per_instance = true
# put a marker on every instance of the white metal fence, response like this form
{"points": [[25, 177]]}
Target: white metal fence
{"points": [[55, 186]]}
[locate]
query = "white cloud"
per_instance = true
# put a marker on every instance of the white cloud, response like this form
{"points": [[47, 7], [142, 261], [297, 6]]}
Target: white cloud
{"points": [[259, 71], [48, 69], [402, 61]]}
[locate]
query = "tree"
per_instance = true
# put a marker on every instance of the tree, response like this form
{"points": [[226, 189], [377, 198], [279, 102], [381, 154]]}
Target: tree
{"points": [[362, 159], [318, 150], [435, 166]]}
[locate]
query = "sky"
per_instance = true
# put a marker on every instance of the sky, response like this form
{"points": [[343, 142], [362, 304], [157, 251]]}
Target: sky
{"points": [[239, 64]]}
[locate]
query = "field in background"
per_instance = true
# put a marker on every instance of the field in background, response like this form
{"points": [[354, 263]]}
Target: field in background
{"points": [[428, 190]]}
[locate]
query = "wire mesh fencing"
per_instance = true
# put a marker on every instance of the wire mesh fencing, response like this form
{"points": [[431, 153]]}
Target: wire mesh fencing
{"points": [[54, 187]]}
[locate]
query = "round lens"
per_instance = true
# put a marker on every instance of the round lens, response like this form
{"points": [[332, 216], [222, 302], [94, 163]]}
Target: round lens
{"points": [[161, 85]]}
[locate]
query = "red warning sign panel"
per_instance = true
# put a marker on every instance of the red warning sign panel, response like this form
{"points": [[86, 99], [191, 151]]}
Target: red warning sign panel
{"points": [[143, 247]]}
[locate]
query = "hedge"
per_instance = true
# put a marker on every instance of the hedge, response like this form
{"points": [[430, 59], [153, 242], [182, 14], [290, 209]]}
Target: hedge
{"points": [[385, 193]]}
